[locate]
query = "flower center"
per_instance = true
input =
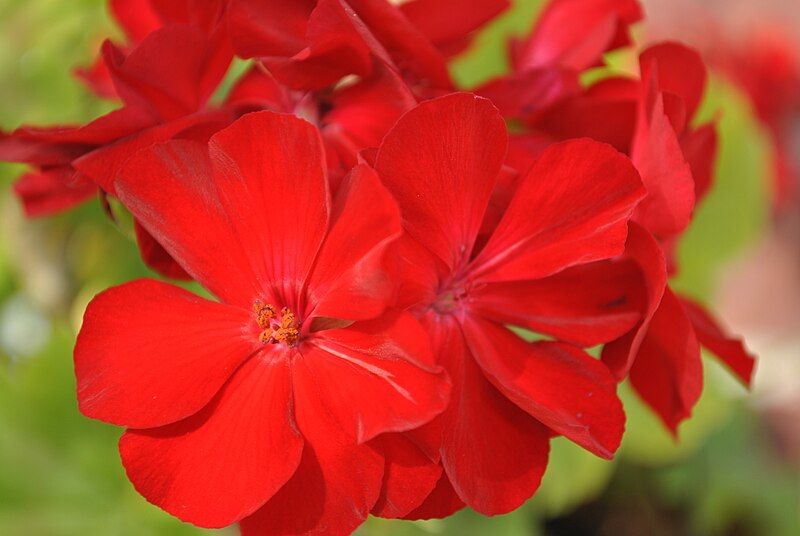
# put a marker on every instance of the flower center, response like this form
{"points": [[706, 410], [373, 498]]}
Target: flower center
{"points": [[277, 327], [450, 300]]}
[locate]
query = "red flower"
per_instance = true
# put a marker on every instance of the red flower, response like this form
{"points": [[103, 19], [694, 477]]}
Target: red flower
{"points": [[163, 83], [311, 44], [651, 120], [676, 164], [441, 162], [260, 407]]}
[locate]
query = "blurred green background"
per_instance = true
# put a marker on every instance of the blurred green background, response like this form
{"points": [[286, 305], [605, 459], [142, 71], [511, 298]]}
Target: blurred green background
{"points": [[60, 473]]}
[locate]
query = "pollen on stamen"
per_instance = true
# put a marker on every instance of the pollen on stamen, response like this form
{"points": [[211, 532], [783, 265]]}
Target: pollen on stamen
{"points": [[264, 313], [276, 329]]}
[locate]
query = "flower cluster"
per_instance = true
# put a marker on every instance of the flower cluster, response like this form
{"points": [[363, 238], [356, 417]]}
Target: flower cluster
{"points": [[382, 248]]}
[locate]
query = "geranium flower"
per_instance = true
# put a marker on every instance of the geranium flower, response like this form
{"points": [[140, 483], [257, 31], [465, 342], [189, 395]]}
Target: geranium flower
{"points": [[165, 84], [441, 162], [259, 407], [651, 119], [675, 160], [314, 43]]}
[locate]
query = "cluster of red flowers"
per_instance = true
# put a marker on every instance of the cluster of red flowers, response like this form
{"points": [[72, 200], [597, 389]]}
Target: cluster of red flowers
{"points": [[379, 244]]}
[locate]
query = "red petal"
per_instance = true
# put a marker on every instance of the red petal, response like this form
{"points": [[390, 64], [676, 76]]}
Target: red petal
{"points": [[442, 502], [169, 188], [560, 385], [605, 112], [667, 372], [657, 154], [361, 114], [526, 95], [729, 350], [366, 111], [156, 257], [336, 484], [136, 17], [275, 28], [332, 492], [97, 79], [700, 150], [52, 191], [408, 479], [571, 208], [644, 252], [270, 176], [441, 161], [103, 164], [586, 305], [446, 23], [338, 44], [265, 205], [681, 72], [493, 452], [576, 34], [418, 275], [523, 151], [207, 14], [410, 51], [172, 72], [230, 445], [150, 353], [349, 280], [60, 145], [375, 376], [258, 90], [504, 190]]}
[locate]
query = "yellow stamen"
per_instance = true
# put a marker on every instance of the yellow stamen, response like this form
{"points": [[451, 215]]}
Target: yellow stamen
{"points": [[264, 313], [276, 329]]}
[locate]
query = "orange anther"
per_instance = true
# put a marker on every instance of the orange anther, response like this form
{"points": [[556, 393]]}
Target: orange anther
{"points": [[276, 329]]}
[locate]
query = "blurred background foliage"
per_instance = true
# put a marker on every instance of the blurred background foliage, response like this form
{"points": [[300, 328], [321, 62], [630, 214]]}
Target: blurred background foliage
{"points": [[60, 473]]}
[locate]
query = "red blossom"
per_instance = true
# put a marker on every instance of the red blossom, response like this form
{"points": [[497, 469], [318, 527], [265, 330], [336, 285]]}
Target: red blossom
{"points": [[165, 83], [161, 85], [274, 393], [652, 120], [441, 162]]}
